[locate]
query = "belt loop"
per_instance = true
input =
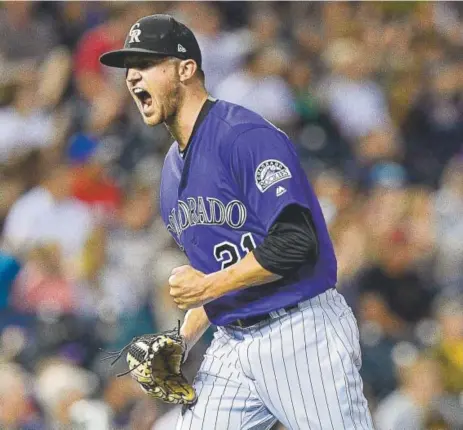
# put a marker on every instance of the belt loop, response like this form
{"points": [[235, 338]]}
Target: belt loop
{"points": [[274, 314]]}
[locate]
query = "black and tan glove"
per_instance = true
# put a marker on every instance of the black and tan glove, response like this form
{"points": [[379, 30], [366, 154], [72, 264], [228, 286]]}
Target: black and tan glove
{"points": [[155, 362]]}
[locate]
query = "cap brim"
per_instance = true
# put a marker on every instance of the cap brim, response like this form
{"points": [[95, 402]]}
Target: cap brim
{"points": [[117, 58]]}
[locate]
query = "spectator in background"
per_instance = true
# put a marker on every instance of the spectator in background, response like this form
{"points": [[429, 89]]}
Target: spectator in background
{"points": [[449, 227], [92, 183], [384, 210], [127, 278], [34, 73], [337, 20], [37, 39], [121, 394], [318, 137], [395, 278], [448, 21], [223, 50], [449, 351], [407, 407], [9, 269], [43, 216], [336, 195], [17, 410], [380, 330], [300, 78], [356, 103], [434, 126], [18, 175], [25, 125], [350, 243], [264, 25], [29, 51], [308, 38], [420, 225], [42, 285], [378, 155], [73, 19], [59, 386], [261, 87]]}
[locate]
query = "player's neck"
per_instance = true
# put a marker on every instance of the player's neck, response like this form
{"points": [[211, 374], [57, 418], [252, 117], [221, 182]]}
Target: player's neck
{"points": [[183, 123]]}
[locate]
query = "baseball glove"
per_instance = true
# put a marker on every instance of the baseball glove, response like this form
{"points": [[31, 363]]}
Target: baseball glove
{"points": [[155, 362]]}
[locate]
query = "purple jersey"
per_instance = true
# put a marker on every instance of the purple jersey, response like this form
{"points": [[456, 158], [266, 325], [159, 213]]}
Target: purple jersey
{"points": [[220, 201]]}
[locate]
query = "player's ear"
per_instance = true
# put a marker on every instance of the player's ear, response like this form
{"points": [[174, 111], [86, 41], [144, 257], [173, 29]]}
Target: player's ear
{"points": [[187, 69]]}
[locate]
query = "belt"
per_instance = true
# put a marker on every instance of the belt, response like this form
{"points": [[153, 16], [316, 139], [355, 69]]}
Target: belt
{"points": [[248, 322]]}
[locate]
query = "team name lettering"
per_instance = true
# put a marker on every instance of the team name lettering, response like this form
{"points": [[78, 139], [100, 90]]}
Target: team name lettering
{"points": [[206, 211]]}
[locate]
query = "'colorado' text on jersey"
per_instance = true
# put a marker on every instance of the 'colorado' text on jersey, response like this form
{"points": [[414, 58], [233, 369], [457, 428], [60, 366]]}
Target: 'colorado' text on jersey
{"points": [[220, 201]]}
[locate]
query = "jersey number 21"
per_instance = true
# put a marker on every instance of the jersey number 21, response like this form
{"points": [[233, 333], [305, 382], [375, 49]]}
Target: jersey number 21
{"points": [[228, 253]]}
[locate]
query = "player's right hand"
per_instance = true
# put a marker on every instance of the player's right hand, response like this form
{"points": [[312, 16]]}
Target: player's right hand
{"points": [[189, 287]]}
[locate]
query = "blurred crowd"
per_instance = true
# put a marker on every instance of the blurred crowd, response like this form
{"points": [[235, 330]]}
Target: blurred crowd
{"points": [[371, 95]]}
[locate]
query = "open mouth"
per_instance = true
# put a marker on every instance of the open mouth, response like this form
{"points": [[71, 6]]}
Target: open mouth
{"points": [[144, 96]]}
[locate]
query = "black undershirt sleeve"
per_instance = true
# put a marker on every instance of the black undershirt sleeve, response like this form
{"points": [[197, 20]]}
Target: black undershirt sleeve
{"points": [[291, 242]]}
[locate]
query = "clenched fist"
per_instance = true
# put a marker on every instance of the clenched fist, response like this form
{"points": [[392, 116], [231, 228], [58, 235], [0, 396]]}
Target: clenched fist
{"points": [[189, 287]]}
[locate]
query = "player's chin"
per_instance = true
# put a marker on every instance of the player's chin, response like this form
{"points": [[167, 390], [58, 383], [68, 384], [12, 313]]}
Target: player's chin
{"points": [[151, 119]]}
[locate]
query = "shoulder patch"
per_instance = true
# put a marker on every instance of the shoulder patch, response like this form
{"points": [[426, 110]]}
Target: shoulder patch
{"points": [[270, 172]]}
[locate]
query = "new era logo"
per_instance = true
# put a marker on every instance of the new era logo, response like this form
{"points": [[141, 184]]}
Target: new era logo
{"points": [[180, 48], [280, 191]]}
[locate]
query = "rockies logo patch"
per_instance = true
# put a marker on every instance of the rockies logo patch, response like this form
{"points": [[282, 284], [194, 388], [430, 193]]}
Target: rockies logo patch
{"points": [[270, 172]]}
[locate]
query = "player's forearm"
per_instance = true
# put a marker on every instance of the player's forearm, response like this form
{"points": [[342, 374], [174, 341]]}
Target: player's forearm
{"points": [[246, 273], [194, 325], [291, 242]]}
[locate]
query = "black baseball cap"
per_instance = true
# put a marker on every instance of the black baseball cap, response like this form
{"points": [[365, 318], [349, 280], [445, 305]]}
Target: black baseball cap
{"points": [[157, 35]]}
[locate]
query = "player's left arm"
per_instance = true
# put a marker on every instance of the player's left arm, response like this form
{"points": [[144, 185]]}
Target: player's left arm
{"points": [[291, 240]]}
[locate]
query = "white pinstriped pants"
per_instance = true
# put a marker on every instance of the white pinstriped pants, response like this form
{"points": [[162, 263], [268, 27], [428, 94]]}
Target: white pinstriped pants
{"points": [[301, 368]]}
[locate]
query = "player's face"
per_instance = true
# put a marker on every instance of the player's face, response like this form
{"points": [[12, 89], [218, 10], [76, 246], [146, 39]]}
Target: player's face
{"points": [[154, 85]]}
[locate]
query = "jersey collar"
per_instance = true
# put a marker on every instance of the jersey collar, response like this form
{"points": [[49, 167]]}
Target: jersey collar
{"points": [[207, 106]]}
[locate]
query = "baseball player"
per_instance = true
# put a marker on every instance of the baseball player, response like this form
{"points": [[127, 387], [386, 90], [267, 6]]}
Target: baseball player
{"points": [[262, 267]]}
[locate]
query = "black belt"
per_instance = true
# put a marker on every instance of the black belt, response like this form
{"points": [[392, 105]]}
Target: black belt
{"points": [[248, 322]]}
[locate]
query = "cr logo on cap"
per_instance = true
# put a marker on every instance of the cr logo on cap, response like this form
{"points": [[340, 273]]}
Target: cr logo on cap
{"points": [[134, 33]]}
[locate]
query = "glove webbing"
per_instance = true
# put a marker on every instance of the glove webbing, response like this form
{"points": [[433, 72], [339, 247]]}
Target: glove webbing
{"points": [[174, 333]]}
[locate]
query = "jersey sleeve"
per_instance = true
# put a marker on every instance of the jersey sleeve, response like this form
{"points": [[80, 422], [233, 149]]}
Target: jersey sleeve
{"points": [[267, 172]]}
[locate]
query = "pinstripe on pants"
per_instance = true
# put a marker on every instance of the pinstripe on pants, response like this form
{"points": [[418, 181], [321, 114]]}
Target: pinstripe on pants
{"points": [[301, 368]]}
